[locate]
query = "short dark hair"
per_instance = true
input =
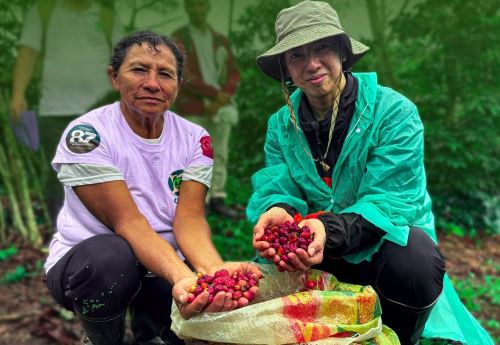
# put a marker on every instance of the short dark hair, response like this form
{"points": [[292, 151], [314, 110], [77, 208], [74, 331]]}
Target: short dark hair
{"points": [[153, 39]]}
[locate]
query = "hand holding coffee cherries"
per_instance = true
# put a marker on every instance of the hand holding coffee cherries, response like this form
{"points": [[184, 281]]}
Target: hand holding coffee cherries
{"points": [[246, 271], [299, 249], [241, 286], [215, 292], [273, 216]]}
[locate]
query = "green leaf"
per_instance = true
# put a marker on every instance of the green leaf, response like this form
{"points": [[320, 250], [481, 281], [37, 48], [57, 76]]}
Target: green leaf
{"points": [[14, 276], [7, 252]]}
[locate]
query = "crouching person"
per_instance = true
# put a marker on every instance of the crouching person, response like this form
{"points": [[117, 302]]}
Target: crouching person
{"points": [[133, 222]]}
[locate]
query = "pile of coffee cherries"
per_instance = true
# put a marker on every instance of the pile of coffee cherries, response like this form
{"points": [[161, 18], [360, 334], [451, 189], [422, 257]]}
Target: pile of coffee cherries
{"points": [[287, 238], [238, 284]]}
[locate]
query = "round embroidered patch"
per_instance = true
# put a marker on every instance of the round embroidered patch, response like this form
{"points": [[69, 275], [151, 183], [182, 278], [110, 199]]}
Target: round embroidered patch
{"points": [[82, 139], [206, 146], [174, 183]]}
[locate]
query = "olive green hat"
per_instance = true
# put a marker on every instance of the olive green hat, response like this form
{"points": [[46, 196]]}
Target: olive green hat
{"points": [[306, 22]]}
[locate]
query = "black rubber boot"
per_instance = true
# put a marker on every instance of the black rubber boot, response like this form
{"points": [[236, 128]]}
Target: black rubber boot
{"points": [[103, 331], [146, 330], [407, 322], [155, 341], [150, 313], [150, 332]]}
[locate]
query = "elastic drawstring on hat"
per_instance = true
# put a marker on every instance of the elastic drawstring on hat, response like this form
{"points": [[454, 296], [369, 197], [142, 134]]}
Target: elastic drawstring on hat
{"points": [[286, 92]]}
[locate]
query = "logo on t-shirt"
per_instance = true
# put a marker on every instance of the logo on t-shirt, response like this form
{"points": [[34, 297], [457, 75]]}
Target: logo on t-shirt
{"points": [[174, 183], [206, 146], [82, 139]]}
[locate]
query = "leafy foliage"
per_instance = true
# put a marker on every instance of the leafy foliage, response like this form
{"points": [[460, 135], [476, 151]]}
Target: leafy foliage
{"points": [[136, 8], [469, 291], [7, 252], [466, 214], [474, 292], [258, 96], [22, 174], [21, 272], [449, 67], [233, 239], [10, 29]]}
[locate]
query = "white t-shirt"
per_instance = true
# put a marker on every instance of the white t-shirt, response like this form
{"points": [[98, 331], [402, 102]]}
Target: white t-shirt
{"points": [[203, 42], [77, 53], [212, 66], [153, 172]]}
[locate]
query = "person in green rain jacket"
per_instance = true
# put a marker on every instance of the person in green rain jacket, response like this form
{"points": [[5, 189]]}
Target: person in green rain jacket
{"points": [[348, 153]]}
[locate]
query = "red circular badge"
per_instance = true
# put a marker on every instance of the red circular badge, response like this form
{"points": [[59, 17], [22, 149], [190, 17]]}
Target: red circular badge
{"points": [[206, 146]]}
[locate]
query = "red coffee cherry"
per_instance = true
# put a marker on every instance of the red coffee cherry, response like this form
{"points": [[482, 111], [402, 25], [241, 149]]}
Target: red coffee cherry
{"points": [[287, 238], [238, 284], [310, 284]]}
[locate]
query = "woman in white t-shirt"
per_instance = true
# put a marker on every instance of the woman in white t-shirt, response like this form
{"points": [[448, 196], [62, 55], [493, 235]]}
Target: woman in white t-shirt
{"points": [[135, 177]]}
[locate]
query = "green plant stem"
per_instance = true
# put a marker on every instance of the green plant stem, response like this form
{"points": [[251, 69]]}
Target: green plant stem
{"points": [[3, 235], [34, 236], [11, 194], [37, 179]]}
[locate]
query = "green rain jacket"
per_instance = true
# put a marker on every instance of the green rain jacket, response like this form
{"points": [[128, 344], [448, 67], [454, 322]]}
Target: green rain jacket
{"points": [[379, 175]]}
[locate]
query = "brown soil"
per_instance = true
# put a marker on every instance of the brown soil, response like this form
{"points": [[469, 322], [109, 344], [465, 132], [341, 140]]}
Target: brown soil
{"points": [[28, 315]]}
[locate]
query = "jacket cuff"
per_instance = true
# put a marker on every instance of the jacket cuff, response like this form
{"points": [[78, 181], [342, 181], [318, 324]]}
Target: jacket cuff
{"points": [[292, 211], [348, 233]]}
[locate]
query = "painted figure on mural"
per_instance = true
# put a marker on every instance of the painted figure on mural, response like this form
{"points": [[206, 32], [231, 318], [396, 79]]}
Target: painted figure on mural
{"points": [[207, 96]]}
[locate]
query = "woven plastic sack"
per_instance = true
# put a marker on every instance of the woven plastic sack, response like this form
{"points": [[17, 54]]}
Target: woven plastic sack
{"points": [[332, 313]]}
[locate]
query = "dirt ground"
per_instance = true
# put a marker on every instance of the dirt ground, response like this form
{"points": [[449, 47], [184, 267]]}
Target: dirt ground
{"points": [[28, 315]]}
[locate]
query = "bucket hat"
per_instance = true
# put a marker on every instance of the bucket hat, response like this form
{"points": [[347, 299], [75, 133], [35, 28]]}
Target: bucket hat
{"points": [[306, 22]]}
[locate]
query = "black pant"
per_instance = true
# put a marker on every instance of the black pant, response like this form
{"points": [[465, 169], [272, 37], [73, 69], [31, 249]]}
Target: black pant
{"points": [[102, 277], [407, 279]]}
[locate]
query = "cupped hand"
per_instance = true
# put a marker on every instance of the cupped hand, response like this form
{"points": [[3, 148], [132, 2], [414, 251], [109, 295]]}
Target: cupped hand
{"points": [[222, 301], [245, 268], [274, 216], [302, 260], [236, 266]]}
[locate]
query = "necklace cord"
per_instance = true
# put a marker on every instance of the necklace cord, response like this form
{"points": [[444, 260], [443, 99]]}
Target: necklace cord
{"points": [[293, 118]]}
